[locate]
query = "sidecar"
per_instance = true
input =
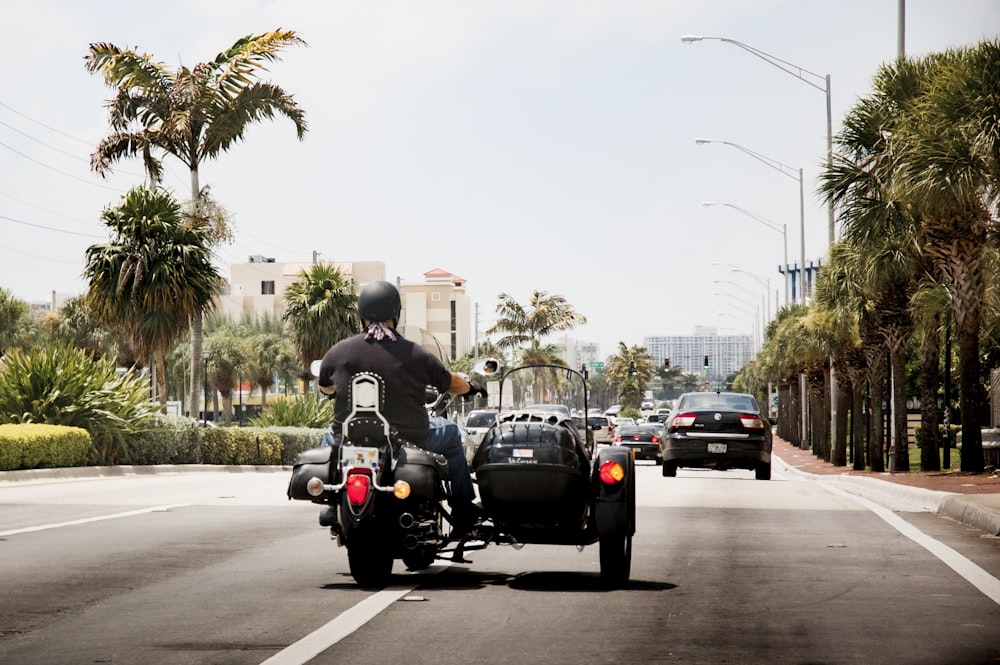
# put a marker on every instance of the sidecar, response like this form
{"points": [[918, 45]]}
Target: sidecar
{"points": [[539, 483]]}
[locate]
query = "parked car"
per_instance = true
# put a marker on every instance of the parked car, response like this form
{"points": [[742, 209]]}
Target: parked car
{"points": [[475, 425], [646, 441], [718, 431]]}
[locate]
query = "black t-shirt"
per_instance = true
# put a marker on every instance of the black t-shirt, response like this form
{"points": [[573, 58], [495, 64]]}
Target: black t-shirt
{"points": [[407, 370]]}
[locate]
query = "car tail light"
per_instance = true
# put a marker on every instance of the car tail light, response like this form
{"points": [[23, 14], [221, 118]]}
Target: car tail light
{"points": [[611, 473], [618, 439], [611, 430], [751, 422], [656, 439], [683, 420], [357, 488]]}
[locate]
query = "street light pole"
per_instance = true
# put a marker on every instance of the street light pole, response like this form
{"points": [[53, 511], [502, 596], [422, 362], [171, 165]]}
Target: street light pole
{"points": [[789, 172], [801, 73], [780, 228]]}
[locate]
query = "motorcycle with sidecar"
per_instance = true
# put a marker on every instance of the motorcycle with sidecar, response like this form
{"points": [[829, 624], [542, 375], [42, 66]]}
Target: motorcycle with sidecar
{"points": [[540, 480]]}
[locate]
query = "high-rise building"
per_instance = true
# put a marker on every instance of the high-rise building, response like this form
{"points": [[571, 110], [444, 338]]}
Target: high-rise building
{"points": [[727, 354]]}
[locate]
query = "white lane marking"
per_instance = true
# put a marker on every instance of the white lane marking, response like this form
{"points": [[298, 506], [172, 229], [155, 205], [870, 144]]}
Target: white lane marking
{"points": [[99, 518], [343, 624], [976, 576]]}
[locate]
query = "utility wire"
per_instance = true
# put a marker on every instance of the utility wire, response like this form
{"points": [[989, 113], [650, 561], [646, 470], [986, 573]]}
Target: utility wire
{"points": [[49, 228]]}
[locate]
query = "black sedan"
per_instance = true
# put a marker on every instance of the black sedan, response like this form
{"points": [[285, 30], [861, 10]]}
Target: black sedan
{"points": [[646, 441], [718, 431]]}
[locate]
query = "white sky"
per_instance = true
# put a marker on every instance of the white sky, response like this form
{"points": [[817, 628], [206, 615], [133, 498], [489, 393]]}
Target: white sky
{"points": [[542, 144]]}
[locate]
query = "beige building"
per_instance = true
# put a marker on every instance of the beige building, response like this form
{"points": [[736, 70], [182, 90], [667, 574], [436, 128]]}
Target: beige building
{"points": [[440, 306], [437, 305], [258, 286]]}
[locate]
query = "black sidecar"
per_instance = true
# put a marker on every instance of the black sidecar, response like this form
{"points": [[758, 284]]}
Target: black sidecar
{"points": [[540, 484]]}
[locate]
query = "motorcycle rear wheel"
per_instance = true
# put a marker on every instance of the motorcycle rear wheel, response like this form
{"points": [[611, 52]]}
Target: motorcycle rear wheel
{"points": [[370, 559]]}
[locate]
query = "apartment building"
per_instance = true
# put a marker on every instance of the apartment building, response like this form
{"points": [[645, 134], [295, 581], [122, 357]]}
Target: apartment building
{"points": [[727, 354], [438, 305]]}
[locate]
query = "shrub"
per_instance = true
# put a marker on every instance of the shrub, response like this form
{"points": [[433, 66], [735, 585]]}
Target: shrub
{"points": [[296, 439], [61, 385], [167, 440], [239, 445], [299, 412], [33, 446]]}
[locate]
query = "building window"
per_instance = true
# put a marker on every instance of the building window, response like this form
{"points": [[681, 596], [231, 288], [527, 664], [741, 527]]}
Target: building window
{"points": [[267, 288]]}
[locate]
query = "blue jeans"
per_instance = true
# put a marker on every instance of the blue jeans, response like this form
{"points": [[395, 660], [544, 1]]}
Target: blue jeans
{"points": [[444, 438]]}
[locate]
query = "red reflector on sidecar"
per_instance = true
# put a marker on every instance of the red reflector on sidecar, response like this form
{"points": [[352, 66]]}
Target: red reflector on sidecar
{"points": [[611, 473]]}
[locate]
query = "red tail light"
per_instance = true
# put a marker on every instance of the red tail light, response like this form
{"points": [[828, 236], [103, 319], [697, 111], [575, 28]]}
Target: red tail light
{"points": [[751, 422], [683, 420], [357, 488], [618, 439], [656, 439], [611, 473]]}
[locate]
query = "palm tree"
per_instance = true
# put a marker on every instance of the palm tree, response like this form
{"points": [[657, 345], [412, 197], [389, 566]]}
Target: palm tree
{"points": [[153, 274], [630, 370], [947, 152], [320, 310], [192, 114], [523, 328], [15, 321]]}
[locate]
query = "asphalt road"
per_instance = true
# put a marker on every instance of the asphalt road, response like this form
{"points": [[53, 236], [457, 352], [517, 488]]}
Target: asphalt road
{"points": [[220, 568]]}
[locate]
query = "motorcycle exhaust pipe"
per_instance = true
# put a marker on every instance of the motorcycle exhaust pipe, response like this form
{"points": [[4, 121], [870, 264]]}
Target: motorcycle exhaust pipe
{"points": [[406, 520], [411, 542]]}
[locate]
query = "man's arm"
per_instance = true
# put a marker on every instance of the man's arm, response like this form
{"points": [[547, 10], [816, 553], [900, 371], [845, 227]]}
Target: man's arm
{"points": [[459, 386]]}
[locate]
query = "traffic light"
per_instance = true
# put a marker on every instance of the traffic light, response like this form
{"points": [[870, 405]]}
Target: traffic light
{"points": [[631, 368], [706, 363], [666, 365]]}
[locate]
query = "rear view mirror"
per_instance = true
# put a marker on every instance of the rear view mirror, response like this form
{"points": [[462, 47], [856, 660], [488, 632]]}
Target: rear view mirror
{"points": [[487, 367]]}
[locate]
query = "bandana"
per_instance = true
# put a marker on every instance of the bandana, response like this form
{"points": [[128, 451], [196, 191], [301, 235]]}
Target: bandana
{"points": [[379, 331]]}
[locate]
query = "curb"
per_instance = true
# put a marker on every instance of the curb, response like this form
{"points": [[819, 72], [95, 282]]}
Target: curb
{"points": [[77, 472], [947, 504]]}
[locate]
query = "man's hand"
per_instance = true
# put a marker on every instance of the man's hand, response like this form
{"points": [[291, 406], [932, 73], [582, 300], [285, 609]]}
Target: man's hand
{"points": [[476, 388]]}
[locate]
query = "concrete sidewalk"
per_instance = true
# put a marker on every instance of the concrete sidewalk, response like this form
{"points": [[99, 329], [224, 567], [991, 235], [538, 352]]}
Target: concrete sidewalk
{"points": [[972, 499]]}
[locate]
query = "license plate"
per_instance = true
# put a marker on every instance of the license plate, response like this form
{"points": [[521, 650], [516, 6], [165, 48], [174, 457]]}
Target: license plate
{"points": [[523, 452], [716, 447], [352, 457]]}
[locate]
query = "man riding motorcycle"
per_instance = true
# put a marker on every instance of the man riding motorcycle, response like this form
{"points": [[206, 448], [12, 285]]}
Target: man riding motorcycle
{"points": [[407, 370]]}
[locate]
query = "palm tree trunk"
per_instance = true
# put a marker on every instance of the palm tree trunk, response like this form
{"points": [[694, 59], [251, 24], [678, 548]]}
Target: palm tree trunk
{"points": [[876, 429], [929, 436], [160, 370], [900, 439], [838, 453], [970, 400], [818, 413], [859, 422], [196, 318]]}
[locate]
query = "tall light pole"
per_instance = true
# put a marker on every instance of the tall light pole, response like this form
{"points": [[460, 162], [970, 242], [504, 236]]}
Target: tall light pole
{"points": [[789, 172], [780, 228], [205, 355], [820, 82]]}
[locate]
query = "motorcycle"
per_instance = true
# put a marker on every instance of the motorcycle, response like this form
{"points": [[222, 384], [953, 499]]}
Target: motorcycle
{"points": [[540, 481]]}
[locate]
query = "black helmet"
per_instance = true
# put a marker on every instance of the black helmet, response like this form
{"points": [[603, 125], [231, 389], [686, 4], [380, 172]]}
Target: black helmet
{"points": [[379, 301]]}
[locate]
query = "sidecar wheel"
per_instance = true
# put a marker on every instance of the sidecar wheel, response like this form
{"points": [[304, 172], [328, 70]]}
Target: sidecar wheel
{"points": [[370, 560], [616, 560]]}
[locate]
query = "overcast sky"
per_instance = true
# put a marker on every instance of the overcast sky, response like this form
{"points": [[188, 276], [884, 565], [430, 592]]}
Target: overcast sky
{"points": [[522, 145]]}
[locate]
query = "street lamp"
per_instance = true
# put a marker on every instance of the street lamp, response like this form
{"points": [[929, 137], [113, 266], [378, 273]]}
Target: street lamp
{"points": [[780, 228], [789, 172], [205, 355], [802, 74]]}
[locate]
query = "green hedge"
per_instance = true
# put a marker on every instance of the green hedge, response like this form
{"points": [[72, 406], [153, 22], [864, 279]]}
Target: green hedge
{"points": [[167, 440], [239, 445], [34, 445]]}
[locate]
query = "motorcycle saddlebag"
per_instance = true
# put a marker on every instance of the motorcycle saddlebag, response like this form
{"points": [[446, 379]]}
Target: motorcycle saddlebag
{"points": [[423, 470], [314, 463], [531, 474]]}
